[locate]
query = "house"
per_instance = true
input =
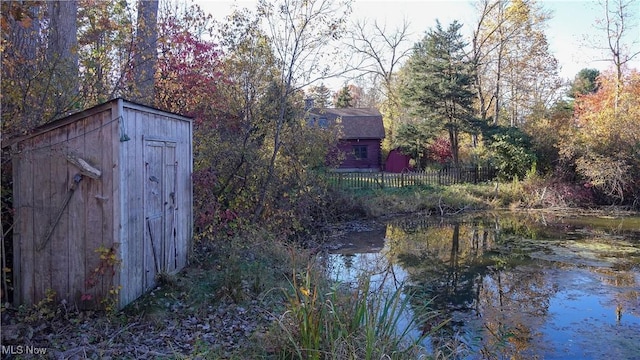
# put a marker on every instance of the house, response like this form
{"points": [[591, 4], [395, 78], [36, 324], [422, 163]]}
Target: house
{"points": [[103, 204], [361, 136]]}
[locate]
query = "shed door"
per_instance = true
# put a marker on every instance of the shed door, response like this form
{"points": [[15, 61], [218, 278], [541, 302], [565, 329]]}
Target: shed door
{"points": [[160, 209]]}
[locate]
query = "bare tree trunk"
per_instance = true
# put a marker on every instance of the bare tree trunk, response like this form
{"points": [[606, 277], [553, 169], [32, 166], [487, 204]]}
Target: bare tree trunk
{"points": [[63, 40], [453, 139], [24, 31], [20, 61], [62, 54], [480, 57], [146, 56]]}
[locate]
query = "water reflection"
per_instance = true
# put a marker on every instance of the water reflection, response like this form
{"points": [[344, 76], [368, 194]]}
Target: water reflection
{"points": [[511, 286]]}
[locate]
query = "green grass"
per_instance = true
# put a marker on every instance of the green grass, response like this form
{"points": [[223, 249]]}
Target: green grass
{"points": [[438, 199]]}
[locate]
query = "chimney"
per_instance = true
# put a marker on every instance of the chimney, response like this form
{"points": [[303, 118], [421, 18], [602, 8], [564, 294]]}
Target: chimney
{"points": [[308, 104]]}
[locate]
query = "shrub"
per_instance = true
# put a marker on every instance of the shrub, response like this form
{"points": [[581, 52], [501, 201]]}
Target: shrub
{"points": [[510, 151]]}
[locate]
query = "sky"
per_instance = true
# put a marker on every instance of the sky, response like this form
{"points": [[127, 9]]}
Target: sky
{"points": [[572, 31]]}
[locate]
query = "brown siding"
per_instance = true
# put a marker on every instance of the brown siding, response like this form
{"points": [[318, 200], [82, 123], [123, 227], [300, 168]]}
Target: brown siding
{"points": [[373, 154], [397, 162]]}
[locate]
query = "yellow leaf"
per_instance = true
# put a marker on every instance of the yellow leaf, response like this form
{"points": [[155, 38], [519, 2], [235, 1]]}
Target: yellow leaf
{"points": [[305, 291]]}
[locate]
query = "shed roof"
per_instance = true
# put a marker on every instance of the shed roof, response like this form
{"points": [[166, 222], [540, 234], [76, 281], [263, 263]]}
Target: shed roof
{"points": [[83, 114], [357, 123]]}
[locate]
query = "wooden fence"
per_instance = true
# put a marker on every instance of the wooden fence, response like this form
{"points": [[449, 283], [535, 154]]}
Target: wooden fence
{"points": [[445, 176]]}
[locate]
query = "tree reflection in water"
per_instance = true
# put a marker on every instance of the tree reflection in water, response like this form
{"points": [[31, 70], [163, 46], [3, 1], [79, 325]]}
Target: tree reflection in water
{"points": [[491, 278]]}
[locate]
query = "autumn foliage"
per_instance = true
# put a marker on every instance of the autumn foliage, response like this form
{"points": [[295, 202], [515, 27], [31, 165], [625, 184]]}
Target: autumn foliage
{"points": [[604, 143], [440, 151], [188, 73]]}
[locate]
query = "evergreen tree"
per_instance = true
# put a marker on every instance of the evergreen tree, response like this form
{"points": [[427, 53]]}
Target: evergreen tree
{"points": [[438, 84], [412, 139], [585, 82], [321, 95], [344, 98]]}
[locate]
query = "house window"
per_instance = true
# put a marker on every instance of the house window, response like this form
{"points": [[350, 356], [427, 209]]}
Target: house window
{"points": [[360, 152]]}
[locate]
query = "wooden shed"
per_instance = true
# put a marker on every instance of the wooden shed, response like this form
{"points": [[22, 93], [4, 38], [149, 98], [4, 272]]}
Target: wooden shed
{"points": [[397, 162], [103, 204]]}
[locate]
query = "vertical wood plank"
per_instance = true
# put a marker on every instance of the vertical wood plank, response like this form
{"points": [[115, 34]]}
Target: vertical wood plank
{"points": [[76, 209], [15, 163], [43, 218], [25, 245], [153, 211], [119, 152], [105, 199], [130, 183], [126, 154], [136, 222], [185, 166], [185, 193], [175, 239], [92, 193], [171, 197], [60, 186]]}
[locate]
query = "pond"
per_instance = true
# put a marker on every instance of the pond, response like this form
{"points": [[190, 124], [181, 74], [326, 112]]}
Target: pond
{"points": [[509, 285]]}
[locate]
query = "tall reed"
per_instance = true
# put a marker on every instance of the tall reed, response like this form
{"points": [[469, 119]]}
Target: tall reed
{"points": [[335, 321]]}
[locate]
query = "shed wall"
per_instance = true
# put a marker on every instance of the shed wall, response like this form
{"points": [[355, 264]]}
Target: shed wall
{"points": [[156, 193], [61, 254]]}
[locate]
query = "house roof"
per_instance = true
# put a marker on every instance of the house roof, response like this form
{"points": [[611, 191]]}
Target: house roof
{"points": [[357, 123]]}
